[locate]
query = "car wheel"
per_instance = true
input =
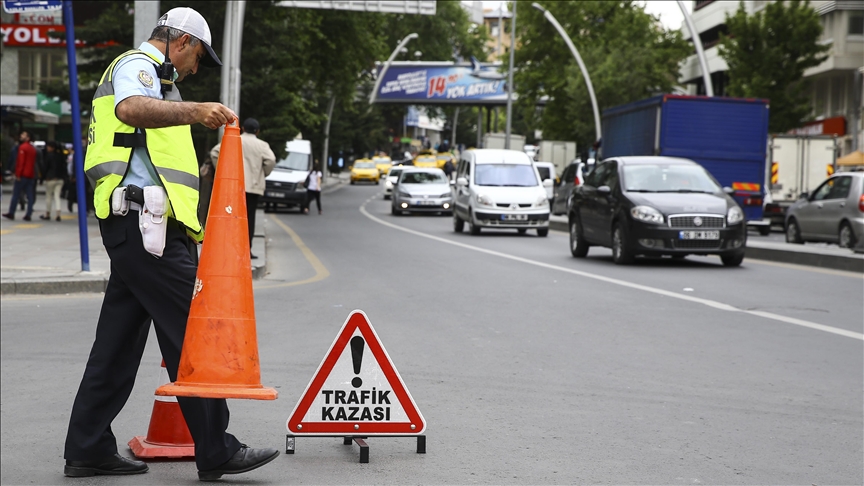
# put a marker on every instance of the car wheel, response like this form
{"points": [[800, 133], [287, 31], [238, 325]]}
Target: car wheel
{"points": [[542, 232], [578, 245], [732, 260], [846, 236], [352, 183], [521, 231], [386, 197], [621, 252], [765, 230], [458, 223], [475, 229], [793, 233], [394, 211]]}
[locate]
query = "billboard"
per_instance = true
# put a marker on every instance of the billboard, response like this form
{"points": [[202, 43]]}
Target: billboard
{"points": [[443, 83]]}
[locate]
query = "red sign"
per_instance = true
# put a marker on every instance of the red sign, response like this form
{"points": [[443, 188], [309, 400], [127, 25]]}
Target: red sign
{"points": [[33, 36], [828, 126], [356, 390]]}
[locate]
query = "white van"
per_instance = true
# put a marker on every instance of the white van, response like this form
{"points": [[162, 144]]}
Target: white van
{"points": [[547, 171], [500, 189], [284, 186]]}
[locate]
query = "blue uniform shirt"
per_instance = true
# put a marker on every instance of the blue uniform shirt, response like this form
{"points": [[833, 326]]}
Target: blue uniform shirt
{"points": [[135, 75]]}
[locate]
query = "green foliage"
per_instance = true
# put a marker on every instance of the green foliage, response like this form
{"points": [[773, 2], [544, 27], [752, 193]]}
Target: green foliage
{"points": [[628, 54], [767, 54]]}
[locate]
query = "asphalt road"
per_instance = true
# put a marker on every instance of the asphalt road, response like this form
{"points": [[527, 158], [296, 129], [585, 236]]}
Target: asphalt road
{"points": [[529, 366]]}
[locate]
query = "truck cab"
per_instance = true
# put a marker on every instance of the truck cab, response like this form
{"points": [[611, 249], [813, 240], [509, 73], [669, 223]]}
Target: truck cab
{"points": [[284, 186]]}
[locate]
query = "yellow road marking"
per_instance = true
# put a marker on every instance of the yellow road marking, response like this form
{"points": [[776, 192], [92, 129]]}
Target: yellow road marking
{"points": [[28, 226], [6, 231], [321, 271]]}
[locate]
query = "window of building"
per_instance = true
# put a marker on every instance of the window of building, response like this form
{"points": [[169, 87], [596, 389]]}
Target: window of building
{"points": [[39, 66], [493, 28], [856, 24]]}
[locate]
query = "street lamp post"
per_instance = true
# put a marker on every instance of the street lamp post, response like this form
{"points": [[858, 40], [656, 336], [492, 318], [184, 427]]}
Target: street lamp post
{"points": [[386, 66], [700, 53], [575, 53], [510, 78]]}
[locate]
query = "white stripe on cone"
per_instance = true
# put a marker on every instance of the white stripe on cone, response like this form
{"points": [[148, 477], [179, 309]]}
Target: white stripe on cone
{"points": [[164, 380]]}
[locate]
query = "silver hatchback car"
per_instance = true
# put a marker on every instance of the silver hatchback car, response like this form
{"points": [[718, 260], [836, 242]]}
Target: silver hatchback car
{"points": [[834, 212], [422, 190]]}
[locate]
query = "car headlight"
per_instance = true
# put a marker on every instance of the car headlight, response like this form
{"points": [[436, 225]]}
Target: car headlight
{"points": [[647, 214], [484, 200], [541, 202], [404, 194], [388, 185], [734, 215], [446, 194]]}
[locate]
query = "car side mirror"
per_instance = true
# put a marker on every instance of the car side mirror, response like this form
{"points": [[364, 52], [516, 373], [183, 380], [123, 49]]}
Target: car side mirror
{"points": [[461, 182], [728, 190], [547, 183], [604, 190], [452, 183], [804, 195]]}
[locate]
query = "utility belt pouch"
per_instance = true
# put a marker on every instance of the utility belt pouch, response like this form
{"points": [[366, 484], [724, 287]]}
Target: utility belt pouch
{"points": [[119, 203], [152, 221]]}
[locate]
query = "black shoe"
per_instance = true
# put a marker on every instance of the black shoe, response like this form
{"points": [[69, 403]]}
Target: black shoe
{"points": [[42, 216], [9, 216], [246, 459], [26, 218], [109, 466]]}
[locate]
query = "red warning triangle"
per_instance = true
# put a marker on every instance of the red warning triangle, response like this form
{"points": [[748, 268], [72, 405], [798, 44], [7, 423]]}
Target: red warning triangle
{"points": [[356, 390]]}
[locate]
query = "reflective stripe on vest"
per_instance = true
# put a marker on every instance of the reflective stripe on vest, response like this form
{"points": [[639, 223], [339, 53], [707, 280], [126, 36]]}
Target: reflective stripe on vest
{"points": [[170, 150]]}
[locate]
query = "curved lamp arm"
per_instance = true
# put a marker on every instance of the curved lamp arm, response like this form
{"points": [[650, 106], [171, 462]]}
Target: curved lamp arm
{"points": [[402, 43], [703, 62]]}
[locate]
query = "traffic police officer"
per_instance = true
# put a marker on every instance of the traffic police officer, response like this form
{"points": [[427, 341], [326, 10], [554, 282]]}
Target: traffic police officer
{"points": [[142, 164]]}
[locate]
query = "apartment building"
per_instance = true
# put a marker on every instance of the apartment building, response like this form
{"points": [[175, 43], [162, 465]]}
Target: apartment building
{"points": [[836, 90]]}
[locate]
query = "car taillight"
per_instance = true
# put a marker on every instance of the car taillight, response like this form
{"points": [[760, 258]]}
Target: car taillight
{"points": [[861, 203], [576, 181], [753, 201]]}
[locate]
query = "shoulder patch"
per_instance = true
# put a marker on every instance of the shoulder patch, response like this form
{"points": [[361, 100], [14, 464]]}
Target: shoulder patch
{"points": [[145, 78]]}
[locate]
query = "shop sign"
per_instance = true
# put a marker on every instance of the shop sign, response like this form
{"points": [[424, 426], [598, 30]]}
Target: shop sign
{"points": [[829, 126]]}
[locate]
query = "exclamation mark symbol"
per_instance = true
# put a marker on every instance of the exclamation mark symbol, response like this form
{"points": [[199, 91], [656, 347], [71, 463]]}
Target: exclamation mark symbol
{"points": [[357, 344]]}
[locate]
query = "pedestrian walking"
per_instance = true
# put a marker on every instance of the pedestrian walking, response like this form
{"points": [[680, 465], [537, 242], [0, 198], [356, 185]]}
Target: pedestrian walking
{"points": [[448, 169], [54, 175], [258, 162], [313, 188], [134, 117], [25, 176]]}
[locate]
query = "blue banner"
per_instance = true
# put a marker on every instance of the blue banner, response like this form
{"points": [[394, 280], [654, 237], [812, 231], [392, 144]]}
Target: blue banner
{"points": [[20, 6], [433, 83]]}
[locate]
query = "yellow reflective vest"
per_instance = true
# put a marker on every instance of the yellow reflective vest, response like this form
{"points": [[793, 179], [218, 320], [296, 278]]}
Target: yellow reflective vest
{"points": [[109, 150]]}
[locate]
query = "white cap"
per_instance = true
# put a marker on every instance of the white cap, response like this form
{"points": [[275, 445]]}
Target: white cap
{"points": [[191, 22]]}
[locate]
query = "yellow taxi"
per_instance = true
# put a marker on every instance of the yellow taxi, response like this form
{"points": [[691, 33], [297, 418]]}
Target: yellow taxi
{"points": [[425, 161], [364, 170], [382, 163], [443, 157]]}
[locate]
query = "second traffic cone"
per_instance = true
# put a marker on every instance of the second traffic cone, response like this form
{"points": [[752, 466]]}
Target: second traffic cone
{"points": [[168, 435], [220, 351]]}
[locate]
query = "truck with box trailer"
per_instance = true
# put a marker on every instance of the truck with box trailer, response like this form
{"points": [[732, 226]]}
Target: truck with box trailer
{"points": [[559, 152], [726, 136], [796, 165]]}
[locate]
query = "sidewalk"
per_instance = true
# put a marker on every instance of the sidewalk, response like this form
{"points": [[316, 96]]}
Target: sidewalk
{"points": [[817, 255], [44, 257]]}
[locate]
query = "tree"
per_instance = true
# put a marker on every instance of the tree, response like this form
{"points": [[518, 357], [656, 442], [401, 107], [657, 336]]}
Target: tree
{"points": [[628, 54], [767, 54]]}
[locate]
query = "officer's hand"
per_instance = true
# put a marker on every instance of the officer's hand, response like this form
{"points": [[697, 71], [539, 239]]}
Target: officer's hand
{"points": [[214, 115]]}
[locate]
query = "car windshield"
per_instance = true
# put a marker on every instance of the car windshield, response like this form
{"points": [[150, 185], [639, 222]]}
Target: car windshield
{"points": [[668, 178], [425, 159], [510, 175], [423, 178], [545, 173], [380, 160], [294, 161], [364, 165], [443, 157], [394, 172]]}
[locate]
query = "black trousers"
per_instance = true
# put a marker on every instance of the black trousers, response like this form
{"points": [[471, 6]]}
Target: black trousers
{"points": [[251, 209], [313, 196], [141, 288]]}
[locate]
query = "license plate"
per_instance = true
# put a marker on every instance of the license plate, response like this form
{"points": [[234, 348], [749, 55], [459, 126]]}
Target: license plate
{"points": [[514, 217], [424, 202], [275, 194], [699, 235]]}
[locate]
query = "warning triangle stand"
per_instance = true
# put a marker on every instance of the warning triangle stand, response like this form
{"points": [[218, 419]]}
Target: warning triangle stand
{"points": [[356, 393]]}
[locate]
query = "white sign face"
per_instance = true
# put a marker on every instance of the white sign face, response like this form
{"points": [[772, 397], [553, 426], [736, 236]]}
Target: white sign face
{"points": [[356, 390]]}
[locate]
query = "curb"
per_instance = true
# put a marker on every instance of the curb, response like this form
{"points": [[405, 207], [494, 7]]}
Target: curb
{"points": [[71, 285], [851, 263]]}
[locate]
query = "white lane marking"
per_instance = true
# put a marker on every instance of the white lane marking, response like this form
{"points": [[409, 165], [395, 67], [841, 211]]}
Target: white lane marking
{"points": [[624, 283]]}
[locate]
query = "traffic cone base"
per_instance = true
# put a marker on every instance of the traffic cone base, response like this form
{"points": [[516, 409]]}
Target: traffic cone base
{"points": [[168, 436], [216, 391]]}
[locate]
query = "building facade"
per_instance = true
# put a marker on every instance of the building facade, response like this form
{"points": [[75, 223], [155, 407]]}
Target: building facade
{"points": [[835, 85]]}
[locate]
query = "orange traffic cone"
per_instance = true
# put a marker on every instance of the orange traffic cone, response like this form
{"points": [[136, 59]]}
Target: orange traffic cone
{"points": [[220, 352], [168, 435]]}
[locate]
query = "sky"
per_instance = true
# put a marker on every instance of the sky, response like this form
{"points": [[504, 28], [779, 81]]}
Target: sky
{"points": [[669, 12]]}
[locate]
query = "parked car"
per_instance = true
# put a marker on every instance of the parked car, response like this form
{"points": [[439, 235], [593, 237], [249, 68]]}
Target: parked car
{"points": [[834, 212], [547, 172], [422, 190], [572, 177], [364, 170], [498, 188], [390, 180], [655, 206]]}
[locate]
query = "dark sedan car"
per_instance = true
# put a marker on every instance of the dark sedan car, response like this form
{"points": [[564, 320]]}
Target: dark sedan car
{"points": [[655, 206]]}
